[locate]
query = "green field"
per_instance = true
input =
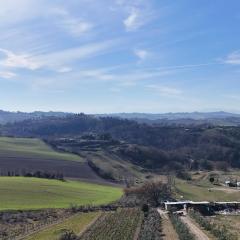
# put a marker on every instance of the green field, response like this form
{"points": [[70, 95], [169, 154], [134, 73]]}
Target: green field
{"points": [[31, 147], [76, 224], [192, 191], [32, 193]]}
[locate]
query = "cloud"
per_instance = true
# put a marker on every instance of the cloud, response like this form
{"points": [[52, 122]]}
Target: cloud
{"points": [[141, 54], [64, 70], [13, 11], [165, 90], [57, 60], [66, 56], [7, 75], [13, 60], [132, 22], [233, 58], [75, 26]]}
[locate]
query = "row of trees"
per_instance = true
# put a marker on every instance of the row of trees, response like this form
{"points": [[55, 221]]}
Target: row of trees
{"points": [[36, 174]]}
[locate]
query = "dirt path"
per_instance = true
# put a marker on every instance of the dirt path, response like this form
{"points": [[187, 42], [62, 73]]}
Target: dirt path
{"points": [[199, 234], [168, 230]]}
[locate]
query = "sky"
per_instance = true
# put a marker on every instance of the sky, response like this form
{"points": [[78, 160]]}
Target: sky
{"points": [[108, 56]]}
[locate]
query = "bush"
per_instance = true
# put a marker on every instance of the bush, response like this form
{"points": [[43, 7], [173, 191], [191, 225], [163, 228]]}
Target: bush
{"points": [[68, 235]]}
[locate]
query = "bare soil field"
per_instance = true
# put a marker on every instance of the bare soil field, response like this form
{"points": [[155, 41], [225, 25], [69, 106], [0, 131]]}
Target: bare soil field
{"points": [[70, 169]]}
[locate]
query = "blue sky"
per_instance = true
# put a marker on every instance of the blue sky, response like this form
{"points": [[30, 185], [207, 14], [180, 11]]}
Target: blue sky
{"points": [[101, 56]]}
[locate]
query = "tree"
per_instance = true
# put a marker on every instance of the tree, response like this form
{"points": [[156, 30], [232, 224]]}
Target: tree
{"points": [[211, 179]]}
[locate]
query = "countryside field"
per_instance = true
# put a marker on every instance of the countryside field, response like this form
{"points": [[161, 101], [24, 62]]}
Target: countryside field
{"points": [[18, 193], [30, 154], [75, 223], [32, 147], [200, 189]]}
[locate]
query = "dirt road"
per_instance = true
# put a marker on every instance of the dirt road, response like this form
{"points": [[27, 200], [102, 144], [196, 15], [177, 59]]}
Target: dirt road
{"points": [[199, 234], [168, 230]]}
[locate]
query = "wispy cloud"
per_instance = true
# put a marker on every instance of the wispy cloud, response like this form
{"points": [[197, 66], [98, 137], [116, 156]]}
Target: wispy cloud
{"points": [[165, 90], [13, 60], [233, 58], [55, 60], [7, 75], [141, 54], [74, 25], [133, 21]]}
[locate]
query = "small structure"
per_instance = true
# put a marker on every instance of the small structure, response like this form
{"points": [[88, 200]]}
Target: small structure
{"points": [[203, 205], [227, 182]]}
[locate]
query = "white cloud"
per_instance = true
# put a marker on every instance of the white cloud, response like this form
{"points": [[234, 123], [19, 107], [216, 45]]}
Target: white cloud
{"points": [[165, 90], [13, 60], [64, 57], [64, 70], [132, 21], [233, 58], [75, 26], [7, 75], [141, 54], [55, 60]]}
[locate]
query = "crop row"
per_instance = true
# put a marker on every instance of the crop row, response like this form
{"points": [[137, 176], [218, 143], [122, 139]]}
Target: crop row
{"points": [[119, 225], [181, 228], [220, 232], [151, 226]]}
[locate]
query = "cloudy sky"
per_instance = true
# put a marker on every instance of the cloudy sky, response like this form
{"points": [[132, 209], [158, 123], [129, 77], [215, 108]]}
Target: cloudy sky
{"points": [[101, 56]]}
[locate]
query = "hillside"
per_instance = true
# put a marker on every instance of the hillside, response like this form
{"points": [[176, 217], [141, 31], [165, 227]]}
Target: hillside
{"points": [[22, 155], [32, 193], [11, 117], [148, 146]]}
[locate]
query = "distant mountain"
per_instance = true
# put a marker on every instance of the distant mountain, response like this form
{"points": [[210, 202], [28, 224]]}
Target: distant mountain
{"points": [[11, 117], [174, 116]]}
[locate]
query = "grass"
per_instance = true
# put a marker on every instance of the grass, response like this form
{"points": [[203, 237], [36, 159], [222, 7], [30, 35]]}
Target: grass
{"points": [[191, 191], [18, 193], [31, 147], [76, 224], [231, 222]]}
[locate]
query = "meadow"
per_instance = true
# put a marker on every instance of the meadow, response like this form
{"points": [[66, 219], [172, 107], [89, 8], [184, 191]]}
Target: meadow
{"points": [[32, 147], [19, 193], [191, 190]]}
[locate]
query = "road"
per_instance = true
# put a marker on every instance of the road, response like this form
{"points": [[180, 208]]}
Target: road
{"points": [[168, 230], [199, 234]]}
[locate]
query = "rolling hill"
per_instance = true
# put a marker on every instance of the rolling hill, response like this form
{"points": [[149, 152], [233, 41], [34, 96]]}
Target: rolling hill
{"points": [[29, 155], [32, 193]]}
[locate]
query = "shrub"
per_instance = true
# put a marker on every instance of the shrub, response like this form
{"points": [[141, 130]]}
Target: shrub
{"points": [[68, 235]]}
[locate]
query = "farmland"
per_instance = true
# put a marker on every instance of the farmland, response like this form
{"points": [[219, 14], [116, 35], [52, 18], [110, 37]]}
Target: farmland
{"points": [[232, 223], [197, 192], [75, 223], [120, 225], [31, 193], [31, 147], [29, 154]]}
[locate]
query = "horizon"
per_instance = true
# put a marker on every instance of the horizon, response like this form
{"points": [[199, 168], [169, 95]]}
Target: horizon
{"points": [[146, 56], [112, 113]]}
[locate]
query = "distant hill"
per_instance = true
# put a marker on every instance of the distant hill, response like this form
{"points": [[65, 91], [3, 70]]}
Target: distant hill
{"points": [[174, 116], [148, 146], [11, 117], [191, 118]]}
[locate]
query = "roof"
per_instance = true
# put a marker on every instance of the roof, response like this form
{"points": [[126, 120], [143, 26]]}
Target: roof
{"points": [[198, 203]]}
